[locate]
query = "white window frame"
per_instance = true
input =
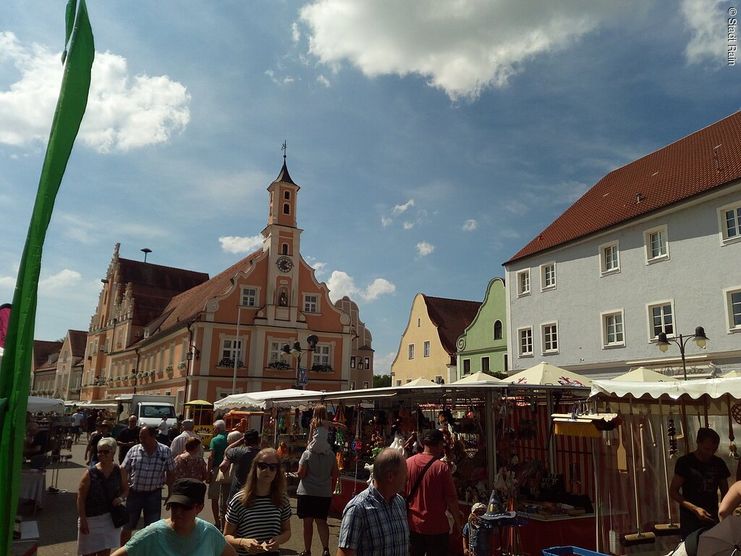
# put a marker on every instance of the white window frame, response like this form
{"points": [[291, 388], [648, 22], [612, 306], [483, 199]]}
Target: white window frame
{"points": [[351, 385], [523, 289], [366, 360], [410, 352], [352, 361], [604, 271], [275, 352], [606, 344], [650, 316], [366, 384], [426, 348], [725, 238], [255, 297], [494, 330], [236, 347], [663, 230], [543, 273], [544, 342], [729, 309], [322, 355], [309, 306], [520, 351], [398, 383]]}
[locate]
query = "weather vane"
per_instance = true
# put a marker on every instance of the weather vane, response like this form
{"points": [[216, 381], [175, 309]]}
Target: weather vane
{"points": [[284, 148]]}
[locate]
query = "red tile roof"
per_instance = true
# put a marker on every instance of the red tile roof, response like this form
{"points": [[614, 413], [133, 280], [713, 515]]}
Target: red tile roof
{"points": [[155, 285], [189, 303], [77, 340], [696, 164], [45, 354], [451, 316]]}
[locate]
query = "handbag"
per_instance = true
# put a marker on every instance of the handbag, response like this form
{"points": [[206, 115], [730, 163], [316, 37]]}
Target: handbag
{"points": [[119, 513]]}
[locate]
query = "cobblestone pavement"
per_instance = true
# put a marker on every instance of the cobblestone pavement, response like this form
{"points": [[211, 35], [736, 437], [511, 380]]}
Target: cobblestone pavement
{"points": [[57, 520]]}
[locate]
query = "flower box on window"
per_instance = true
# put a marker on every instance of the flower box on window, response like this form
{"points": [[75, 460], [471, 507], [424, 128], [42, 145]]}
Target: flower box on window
{"points": [[226, 362], [279, 365], [322, 368], [181, 365]]}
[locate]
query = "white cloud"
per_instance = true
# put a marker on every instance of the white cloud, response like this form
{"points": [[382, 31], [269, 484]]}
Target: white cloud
{"points": [[382, 364], [236, 244], [295, 32], [400, 209], [424, 248], [516, 207], [470, 225], [63, 279], [323, 81], [285, 80], [124, 112], [408, 225], [386, 221], [319, 267], [341, 284], [707, 25], [461, 47], [7, 282]]}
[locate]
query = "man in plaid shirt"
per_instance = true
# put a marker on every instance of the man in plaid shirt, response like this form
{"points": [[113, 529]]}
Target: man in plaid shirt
{"points": [[374, 523], [150, 466]]}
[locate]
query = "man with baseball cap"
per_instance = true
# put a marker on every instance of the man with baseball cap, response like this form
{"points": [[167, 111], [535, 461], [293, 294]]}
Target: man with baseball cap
{"points": [[241, 456], [182, 533]]}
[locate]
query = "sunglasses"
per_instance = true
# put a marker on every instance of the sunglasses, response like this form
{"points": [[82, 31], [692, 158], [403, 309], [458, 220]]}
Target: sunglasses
{"points": [[272, 466]]}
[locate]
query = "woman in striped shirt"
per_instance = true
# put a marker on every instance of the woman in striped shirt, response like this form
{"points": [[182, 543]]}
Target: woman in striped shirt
{"points": [[258, 517]]}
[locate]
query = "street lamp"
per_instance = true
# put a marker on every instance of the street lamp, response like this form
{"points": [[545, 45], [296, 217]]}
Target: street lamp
{"points": [[297, 352], [699, 337]]}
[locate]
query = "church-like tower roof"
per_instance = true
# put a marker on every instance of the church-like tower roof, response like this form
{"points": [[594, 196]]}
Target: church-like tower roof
{"points": [[284, 176]]}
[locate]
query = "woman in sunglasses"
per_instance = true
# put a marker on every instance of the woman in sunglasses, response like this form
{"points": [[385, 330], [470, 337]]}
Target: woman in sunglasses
{"points": [[103, 484], [258, 519]]}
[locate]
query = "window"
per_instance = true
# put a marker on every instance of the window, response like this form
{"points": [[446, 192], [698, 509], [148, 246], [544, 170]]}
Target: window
{"points": [[275, 352], [657, 247], [231, 349], [352, 362], [484, 364], [410, 351], [550, 337], [526, 341], [284, 249], [311, 303], [498, 330], [419, 323], [287, 195], [548, 276], [367, 362], [661, 319], [609, 258], [286, 208], [352, 385], [360, 364], [426, 348], [365, 384], [321, 355], [466, 366], [523, 282], [398, 383], [733, 307], [730, 222], [249, 297], [612, 329]]}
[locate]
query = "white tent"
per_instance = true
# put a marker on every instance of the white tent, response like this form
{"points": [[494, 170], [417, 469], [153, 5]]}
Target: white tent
{"points": [[260, 400], [715, 388], [477, 378], [417, 382], [544, 374], [642, 374], [45, 405], [732, 374]]}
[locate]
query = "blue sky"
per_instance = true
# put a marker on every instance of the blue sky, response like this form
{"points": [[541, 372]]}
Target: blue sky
{"points": [[432, 139]]}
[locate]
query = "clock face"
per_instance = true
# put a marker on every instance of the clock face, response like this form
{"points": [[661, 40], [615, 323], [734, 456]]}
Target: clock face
{"points": [[284, 264]]}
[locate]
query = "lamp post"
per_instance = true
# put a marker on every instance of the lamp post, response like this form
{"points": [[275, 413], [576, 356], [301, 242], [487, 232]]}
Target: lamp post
{"points": [[699, 337], [297, 352]]}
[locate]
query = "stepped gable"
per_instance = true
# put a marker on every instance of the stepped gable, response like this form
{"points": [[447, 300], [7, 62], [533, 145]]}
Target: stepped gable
{"points": [[705, 160], [186, 305], [45, 354], [451, 316], [155, 285]]}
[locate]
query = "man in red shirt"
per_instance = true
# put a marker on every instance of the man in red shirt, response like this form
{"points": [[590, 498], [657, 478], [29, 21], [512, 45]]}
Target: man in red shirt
{"points": [[435, 493]]}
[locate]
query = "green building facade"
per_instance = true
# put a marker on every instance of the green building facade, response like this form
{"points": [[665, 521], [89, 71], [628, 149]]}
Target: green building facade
{"points": [[483, 344]]}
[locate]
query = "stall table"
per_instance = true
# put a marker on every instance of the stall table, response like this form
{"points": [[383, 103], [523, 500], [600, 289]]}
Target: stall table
{"points": [[33, 485], [543, 531]]}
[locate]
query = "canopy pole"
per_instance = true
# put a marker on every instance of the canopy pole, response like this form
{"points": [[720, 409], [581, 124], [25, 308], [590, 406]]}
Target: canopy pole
{"points": [[491, 438]]}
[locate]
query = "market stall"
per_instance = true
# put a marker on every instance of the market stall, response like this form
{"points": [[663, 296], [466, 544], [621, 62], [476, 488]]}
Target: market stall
{"points": [[658, 423], [202, 414]]}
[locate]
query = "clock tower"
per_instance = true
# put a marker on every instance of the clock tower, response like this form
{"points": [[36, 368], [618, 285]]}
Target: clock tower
{"points": [[282, 242]]}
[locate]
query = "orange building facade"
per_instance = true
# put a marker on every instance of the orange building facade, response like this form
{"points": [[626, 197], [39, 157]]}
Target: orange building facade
{"points": [[179, 332]]}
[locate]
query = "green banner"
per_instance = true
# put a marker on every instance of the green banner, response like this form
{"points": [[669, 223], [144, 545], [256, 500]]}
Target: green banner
{"points": [[16, 364]]}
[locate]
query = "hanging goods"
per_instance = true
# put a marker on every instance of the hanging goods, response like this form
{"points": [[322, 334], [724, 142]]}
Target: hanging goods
{"points": [[671, 432], [732, 451], [639, 537], [640, 440], [622, 457], [670, 528]]}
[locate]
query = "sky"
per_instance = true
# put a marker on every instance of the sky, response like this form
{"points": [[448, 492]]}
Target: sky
{"points": [[432, 139]]}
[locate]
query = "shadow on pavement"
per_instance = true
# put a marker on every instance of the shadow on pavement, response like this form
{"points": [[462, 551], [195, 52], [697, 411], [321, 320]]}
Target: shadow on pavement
{"points": [[58, 519]]}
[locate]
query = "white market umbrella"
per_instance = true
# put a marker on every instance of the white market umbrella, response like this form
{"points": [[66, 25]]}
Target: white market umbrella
{"points": [[269, 398], [722, 540], [417, 382], [732, 374], [45, 405], [545, 374], [642, 374], [479, 377]]}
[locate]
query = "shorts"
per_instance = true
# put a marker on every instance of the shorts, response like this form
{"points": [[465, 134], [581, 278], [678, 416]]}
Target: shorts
{"points": [[316, 507]]}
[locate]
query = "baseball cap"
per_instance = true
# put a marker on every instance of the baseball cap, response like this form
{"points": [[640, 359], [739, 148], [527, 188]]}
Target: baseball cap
{"points": [[189, 492], [251, 437]]}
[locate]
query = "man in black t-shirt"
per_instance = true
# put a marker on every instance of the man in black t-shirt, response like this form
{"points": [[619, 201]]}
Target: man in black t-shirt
{"points": [[699, 475], [127, 438], [241, 457]]}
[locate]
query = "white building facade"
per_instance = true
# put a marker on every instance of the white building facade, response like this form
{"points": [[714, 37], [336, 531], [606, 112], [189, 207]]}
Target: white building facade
{"points": [[595, 303]]}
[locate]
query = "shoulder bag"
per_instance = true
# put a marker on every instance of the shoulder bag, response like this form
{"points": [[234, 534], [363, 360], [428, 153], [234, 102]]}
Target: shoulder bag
{"points": [[413, 491], [119, 513]]}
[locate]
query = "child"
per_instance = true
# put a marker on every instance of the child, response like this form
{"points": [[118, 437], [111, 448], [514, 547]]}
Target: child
{"points": [[475, 538]]}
